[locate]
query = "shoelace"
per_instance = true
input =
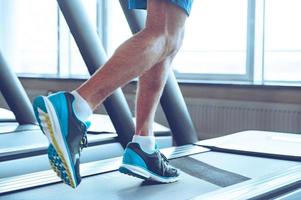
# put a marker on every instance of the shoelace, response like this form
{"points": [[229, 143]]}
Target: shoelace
{"points": [[84, 140], [164, 157]]}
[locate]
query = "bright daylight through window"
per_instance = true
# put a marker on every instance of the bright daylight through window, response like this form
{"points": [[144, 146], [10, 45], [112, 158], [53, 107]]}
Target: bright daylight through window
{"points": [[215, 38], [282, 56], [245, 40]]}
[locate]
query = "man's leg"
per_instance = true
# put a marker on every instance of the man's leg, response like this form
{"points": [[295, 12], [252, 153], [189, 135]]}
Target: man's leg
{"points": [[57, 114], [150, 87], [140, 53], [141, 158]]}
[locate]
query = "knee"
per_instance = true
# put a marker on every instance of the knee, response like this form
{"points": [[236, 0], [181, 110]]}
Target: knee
{"points": [[170, 40], [174, 42]]}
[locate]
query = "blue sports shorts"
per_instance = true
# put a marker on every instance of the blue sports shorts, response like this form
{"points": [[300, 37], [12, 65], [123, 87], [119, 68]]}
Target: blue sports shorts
{"points": [[141, 4]]}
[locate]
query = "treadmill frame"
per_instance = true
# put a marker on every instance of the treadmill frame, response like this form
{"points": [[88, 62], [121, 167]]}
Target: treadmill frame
{"points": [[15, 95]]}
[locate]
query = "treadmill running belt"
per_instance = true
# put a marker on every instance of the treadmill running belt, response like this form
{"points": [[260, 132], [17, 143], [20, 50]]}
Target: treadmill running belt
{"points": [[206, 172]]}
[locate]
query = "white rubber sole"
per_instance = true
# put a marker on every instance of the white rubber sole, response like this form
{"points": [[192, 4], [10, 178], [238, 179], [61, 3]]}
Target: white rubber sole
{"points": [[52, 130], [147, 174]]}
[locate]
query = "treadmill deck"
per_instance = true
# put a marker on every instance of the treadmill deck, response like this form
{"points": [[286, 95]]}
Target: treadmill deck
{"points": [[110, 184]]}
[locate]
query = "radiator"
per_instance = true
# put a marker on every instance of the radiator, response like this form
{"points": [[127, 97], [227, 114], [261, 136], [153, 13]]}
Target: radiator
{"points": [[213, 118]]}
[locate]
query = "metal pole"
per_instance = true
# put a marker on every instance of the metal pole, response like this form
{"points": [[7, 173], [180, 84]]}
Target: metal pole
{"points": [[172, 100], [176, 112], [94, 56], [15, 95]]}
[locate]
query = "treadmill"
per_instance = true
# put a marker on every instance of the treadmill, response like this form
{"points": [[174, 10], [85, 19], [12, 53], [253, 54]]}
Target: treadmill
{"points": [[244, 165]]}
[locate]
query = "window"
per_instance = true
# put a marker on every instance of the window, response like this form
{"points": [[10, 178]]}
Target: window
{"points": [[282, 53], [256, 41], [118, 28], [30, 35], [37, 40], [71, 62], [215, 39]]}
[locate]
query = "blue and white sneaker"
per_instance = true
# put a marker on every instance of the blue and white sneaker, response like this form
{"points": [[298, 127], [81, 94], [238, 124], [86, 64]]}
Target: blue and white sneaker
{"points": [[153, 167], [67, 135]]}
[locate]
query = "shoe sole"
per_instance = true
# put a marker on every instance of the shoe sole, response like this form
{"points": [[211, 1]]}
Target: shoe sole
{"points": [[142, 173], [58, 152]]}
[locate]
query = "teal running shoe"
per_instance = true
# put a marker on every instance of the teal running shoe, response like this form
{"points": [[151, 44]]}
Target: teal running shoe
{"points": [[153, 167], [67, 135]]}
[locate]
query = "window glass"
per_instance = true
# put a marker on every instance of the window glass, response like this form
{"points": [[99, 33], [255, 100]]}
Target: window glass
{"points": [[30, 35], [282, 54], [215, 38], [119, 30], [77, 64]]}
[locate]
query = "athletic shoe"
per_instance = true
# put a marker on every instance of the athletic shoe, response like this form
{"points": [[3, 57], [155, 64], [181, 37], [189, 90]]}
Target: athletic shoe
{"points": [[67, 135], [153, 167]]}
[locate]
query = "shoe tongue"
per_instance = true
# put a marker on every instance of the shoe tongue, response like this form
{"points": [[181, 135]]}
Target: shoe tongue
{"points": [[88, 124]]}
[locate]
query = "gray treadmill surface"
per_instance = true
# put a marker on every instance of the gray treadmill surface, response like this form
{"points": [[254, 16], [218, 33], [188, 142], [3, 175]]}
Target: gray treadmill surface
{"points": [[12, 127], [113, 185], [272, 144], [295, 195], [34, 140], [118, 186], [40, 163], [6, 115]]}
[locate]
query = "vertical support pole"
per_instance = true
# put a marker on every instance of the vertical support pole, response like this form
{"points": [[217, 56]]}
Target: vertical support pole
{"points": [[15, 95], [172, 100], [95, 56]]}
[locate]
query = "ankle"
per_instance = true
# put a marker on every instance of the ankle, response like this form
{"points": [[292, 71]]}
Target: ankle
{"points": [[147, 143], [81, 107]]}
